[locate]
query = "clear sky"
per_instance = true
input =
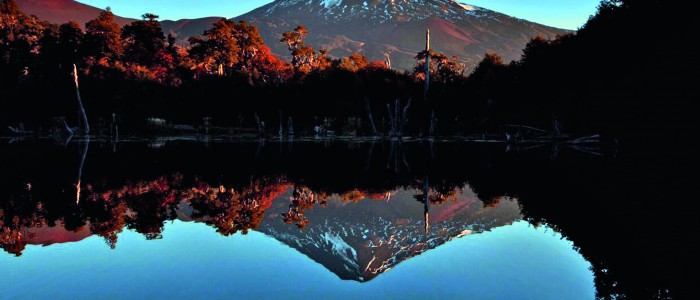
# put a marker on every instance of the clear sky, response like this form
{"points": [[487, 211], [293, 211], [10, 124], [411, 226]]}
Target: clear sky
{"points": [[193, 261], [569, 14]]}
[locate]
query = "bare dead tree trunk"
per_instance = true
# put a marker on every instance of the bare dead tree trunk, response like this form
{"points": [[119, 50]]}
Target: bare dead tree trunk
{"points": [[369, 155], [396, 116], [281, 132], [369, 115], [261, 126], [432, 124], [80, 102], [396, 155], [426, 206], [391, 154], [68, 129], [392, 128], [405, 162], [261, 145], [426, 70], [426, 87], [115, 125], [404, 117], [80, 168]]}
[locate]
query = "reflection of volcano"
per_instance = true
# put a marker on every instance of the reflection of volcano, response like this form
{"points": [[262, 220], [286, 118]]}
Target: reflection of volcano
{"points": [[45, 235], [359, 241], [355, 235]]}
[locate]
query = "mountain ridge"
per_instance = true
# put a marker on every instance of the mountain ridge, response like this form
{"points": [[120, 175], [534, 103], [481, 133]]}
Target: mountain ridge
{"points": [[397, 28], [62, 11]]}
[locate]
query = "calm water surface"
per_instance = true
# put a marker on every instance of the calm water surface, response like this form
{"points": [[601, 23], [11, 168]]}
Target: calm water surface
{"points": [[222, 219]]}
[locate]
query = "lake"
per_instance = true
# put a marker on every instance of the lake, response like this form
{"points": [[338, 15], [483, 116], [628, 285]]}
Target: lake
{"points": [[233, 217]]}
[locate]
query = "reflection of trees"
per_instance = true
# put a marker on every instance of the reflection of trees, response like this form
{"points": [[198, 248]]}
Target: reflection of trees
{"points": [[230, 211], [150, 205], [441, 193], [352, 196], [19, 213], [108, 221], [144, 206], [301, 200], [11, 239]]}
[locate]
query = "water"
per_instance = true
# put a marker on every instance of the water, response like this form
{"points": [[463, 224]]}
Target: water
{"points": [[218, 219]]}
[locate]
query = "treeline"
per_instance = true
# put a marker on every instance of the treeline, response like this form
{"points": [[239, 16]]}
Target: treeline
{"points": [[594, 81], [227, 75], [630, 72]]}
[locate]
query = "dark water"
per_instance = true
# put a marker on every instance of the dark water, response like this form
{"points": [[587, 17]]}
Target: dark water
{"points": [[222, 219]]}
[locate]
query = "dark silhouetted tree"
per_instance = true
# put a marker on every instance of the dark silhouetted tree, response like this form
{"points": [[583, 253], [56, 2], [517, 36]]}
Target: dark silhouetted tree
{"points": [[217, 48], [143, 41], [103, 38]]}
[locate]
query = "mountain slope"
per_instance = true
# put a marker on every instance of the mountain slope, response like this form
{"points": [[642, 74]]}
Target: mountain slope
{"points": [[185, 28], [62, 11], [397, 27]]}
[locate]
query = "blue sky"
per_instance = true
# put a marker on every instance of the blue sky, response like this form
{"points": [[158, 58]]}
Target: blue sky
{"points": [[516, 261], [569, 14]]}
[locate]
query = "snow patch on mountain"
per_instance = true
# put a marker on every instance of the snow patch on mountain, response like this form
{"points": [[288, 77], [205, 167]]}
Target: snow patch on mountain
{"points": [[383, 11], [467, 6]]}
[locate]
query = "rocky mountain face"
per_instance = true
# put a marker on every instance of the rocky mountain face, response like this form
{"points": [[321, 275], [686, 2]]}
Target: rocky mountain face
{"points": [[375, 28], [397, 28]]}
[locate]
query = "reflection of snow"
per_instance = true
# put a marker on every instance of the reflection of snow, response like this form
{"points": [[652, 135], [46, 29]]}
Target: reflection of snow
{"points": [[463, 233], [330, 3], [341, 248], [373, 237]]}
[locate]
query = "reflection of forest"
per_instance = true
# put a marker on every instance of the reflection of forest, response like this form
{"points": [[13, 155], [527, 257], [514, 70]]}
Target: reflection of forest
{"points": [[144, 206], [592, 201]]}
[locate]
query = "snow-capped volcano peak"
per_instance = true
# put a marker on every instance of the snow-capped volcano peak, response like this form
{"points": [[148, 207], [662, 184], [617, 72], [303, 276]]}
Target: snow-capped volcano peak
{"points": [[380, 11], [377, 28], [467, 6]]}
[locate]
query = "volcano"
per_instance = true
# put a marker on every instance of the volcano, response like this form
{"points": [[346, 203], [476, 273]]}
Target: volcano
{"points": [[397, 28]]}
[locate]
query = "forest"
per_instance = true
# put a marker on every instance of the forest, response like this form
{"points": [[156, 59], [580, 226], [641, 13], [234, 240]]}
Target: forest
{"points": [[607, 78]]}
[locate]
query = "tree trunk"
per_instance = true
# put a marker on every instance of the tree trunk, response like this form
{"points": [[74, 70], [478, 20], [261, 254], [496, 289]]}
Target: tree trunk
{"points": [[391, 120], [426, 70], [404, 117], [86, 125], [369, 115], [80, 168], [426, 205], [68, 129], [261, 126], [281, 132], [397, 119], [432, 124]]}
